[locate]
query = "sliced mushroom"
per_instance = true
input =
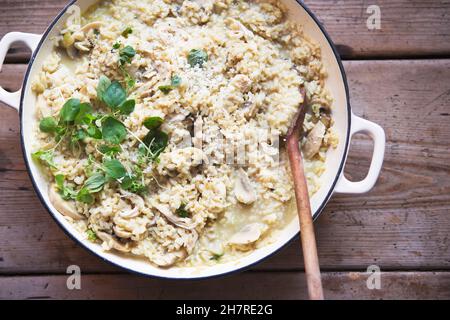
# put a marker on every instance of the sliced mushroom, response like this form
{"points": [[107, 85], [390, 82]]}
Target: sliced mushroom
{"points": [[184, 223], [190, 240], [91, 25], [250, 108], [314, 140], [72, 52], [122, 233], [137, 201], [248, 234], [77, 41], [170, 258], [66, 208], [243, 189], [84, 46], [113, 243]]}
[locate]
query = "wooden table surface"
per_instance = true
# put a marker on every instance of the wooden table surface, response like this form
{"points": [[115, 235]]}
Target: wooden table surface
{"points": [[399, 77]]}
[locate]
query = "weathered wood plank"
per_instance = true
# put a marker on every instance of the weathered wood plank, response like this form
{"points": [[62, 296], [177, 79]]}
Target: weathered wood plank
{"points": [[409, 28], [401, 224], [249, 285]]}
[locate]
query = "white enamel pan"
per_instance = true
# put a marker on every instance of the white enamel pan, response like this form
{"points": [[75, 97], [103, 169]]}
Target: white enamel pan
{"points": [[333, 180]]}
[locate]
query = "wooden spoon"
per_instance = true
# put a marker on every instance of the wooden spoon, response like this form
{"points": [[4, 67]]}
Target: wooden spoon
{"points": [[308, 238]]}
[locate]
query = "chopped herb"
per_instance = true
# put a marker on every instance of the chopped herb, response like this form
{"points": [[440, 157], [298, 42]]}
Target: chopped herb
{"points": [[114, 95], [45, 157], [182, 212], [152, 123], [131, 183], [113, 131], [60, 132], [85, 196], [103, 84], [67, 193], [165, 89], [96, 32], [216, 256], [109, 150], [127, 106], [129, 81], [94, 132], [157, 141], [114, 169], [84, 115], [197, 57], [48, 124], [126, 32], [126, 54], [78, 135], [70, 110], [116, 45], [175, 81], [92, 236], [95, 182]]}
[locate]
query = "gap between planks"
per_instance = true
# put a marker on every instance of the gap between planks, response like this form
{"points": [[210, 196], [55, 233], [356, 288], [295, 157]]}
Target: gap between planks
{"points": [[273, 286], [401, 224], [409, 28]]}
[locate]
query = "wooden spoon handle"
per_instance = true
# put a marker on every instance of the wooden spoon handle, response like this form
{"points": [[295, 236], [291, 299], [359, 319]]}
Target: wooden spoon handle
{"points": [[308, 238]]}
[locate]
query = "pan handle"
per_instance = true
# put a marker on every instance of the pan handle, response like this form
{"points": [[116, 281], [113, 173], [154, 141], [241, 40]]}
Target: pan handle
{"points": [[360, 125], [12, 99]]}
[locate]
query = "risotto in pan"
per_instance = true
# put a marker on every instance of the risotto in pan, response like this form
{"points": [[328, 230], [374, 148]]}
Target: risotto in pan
{"points": [[160, 125]]}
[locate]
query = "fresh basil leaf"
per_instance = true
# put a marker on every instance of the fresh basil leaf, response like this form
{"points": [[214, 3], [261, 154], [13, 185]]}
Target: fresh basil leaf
{"points": [[95, 182], [175, 81], [85, 196], [127, 106], [94, 132], [109, 150], [78, 136], [114, 169], [69, 110], [126, 54], [127, 31], [59, 179], [48, 124], [84, 115], [103, 84], [45, 157], [114, 95], [197, 57], [153, 122], [157, 141], [67, 193], [113, 131]]}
